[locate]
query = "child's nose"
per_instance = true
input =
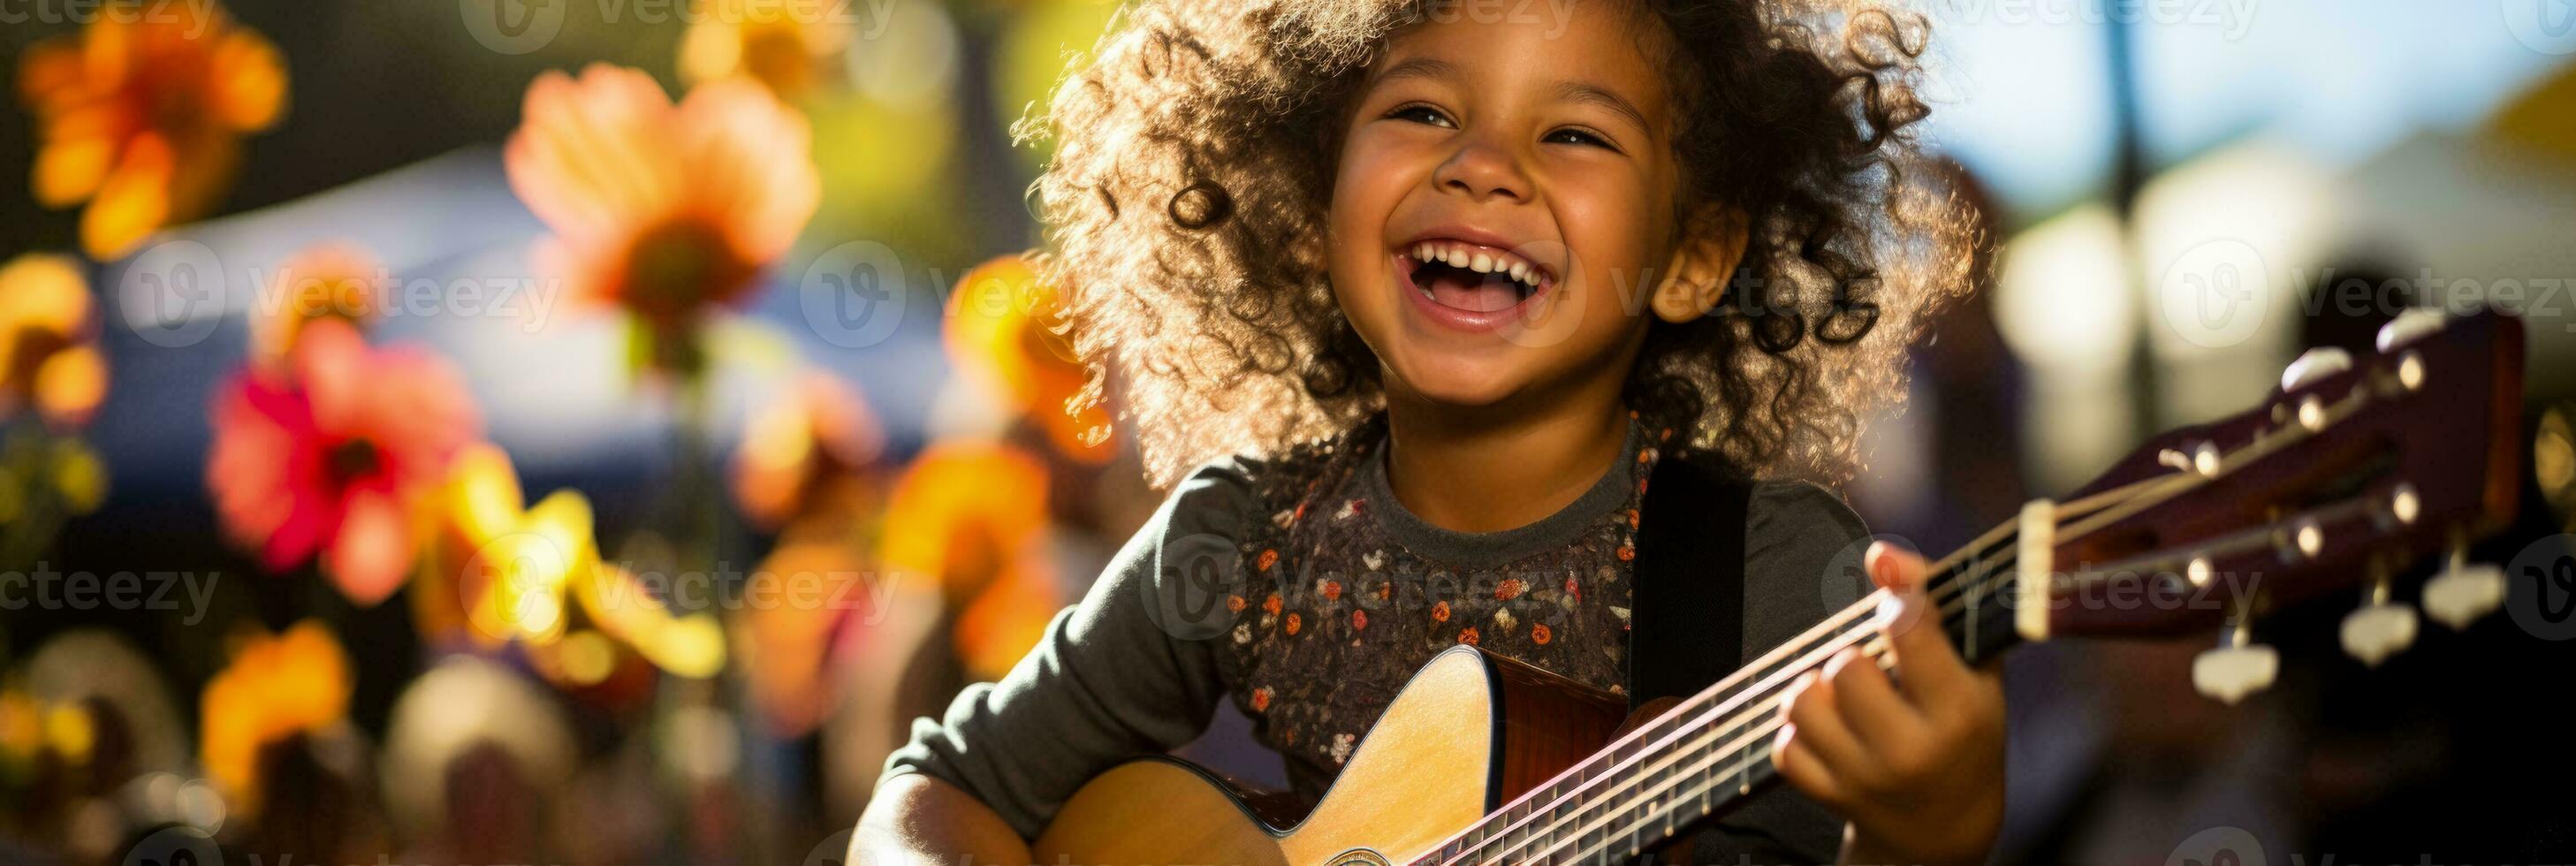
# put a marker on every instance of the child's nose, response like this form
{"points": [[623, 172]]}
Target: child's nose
{"points": [[1482, 170]]}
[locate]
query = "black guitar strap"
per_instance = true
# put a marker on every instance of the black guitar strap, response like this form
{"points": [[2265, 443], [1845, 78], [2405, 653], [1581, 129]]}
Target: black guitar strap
{"points": [[1686, 619]]}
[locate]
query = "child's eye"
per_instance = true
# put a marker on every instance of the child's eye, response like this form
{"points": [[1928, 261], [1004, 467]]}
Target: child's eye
{"points": [[1420, 114], [1570, 135]]}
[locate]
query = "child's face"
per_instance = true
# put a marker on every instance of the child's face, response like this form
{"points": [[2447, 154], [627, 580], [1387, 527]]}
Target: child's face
{"points": [[1535, 145]]}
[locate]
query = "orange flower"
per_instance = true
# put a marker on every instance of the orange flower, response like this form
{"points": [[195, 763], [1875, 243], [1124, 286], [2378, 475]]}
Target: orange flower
{"points": [[1235, 604], [787, 648], [1467, 636], [961, 511], [1440, 612], [664, 210], [1509, 589], [1004, 621], [141, 115], [276, 687], [1332, 590], [1295, 622], [332, 453], [1008, 329], [49, 356], [1261, 699], [1271, 605], [1268, 558], [802, 450], [1627, 552], [783, 44], [327, 281], [1539, 634]]}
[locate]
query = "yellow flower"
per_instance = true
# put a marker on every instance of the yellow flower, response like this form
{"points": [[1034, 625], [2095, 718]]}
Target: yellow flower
{"points": [[511, 569], [277, 686], [783, 44], [141, 115], [49, 355]]}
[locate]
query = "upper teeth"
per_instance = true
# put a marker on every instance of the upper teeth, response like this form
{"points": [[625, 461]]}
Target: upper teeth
{"points": [[1483, 260]]}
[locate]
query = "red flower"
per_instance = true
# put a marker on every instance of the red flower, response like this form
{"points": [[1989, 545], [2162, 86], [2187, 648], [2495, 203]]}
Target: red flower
{"points": [[1261, 699], [1539, 634], [1510, 589], [1295, 622], [1359, 620], [1573, 590], [1467, 636], [332, 453], [1440, 612]]}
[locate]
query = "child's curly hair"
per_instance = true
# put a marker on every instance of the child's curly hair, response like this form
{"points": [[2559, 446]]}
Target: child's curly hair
{"points": [[1191, 176]]}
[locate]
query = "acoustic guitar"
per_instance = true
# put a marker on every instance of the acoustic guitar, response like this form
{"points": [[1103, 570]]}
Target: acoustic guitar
{"points": [[2341, 480]]}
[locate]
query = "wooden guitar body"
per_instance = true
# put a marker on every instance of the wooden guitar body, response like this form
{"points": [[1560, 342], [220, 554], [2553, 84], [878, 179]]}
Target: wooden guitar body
{"points": [[1469, 733]]}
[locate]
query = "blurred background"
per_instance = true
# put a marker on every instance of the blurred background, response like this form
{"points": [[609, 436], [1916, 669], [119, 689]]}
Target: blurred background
{"points": [[491, 431]]}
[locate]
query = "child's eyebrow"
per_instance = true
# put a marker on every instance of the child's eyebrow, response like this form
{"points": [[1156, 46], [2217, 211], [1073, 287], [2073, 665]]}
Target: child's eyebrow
{"points": [[1580, 92], [1416, 67]]}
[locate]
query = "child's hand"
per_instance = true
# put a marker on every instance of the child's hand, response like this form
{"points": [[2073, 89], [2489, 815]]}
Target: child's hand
{"points": [[1916, 765]]}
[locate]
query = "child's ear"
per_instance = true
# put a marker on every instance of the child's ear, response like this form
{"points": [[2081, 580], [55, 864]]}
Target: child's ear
{"points": [[1703, 263]]}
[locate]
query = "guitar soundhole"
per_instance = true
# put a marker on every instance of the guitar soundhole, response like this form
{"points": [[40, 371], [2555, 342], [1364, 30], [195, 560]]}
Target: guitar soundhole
{"points": [[1359, 857]]}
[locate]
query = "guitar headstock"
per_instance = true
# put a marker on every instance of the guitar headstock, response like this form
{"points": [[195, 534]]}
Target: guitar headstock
{"points": [[2350, 473]]}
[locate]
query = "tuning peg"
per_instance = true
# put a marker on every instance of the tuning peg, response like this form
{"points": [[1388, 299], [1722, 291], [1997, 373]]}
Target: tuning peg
{"points": [[2463, 591], [2409, 326], [2314, 364], [2238, 667], [2379, 629]]}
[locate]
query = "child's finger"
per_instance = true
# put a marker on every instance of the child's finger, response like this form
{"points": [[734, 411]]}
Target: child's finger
{"points": [[1893, 567], [1795, 761], [1811, 708], [1867, 701], [1928, 669]]}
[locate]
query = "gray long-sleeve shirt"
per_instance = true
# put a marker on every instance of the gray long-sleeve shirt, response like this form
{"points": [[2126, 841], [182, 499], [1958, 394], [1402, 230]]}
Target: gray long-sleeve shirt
{"points": [[1123, 673]]}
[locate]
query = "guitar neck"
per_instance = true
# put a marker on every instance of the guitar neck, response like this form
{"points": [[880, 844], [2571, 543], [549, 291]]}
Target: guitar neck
{"points": [[1713, 751]]}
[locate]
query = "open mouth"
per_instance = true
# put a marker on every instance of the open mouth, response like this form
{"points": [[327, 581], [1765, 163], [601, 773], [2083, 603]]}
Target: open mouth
{"points": [[1472, 278]]}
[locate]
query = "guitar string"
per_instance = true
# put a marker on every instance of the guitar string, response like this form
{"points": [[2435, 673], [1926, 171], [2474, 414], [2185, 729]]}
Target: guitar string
{"points": [[1760, 698], [1797, 654], [1935, 586], [1754, 732]]}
